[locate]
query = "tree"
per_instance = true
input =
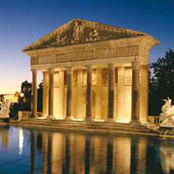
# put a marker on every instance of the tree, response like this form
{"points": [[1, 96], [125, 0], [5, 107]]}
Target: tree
{"points": [[161, 82], [26, 88]]}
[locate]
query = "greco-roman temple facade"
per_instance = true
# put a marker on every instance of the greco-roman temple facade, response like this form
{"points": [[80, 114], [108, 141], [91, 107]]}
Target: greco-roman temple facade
{"points": [[92, 71]]}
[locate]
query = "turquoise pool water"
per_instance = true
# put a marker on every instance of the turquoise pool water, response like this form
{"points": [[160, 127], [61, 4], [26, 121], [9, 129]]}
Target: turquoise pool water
{"points": [[53, 152]]}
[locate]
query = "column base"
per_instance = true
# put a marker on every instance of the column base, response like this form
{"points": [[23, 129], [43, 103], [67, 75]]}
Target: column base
{"points": [[32, 117], [59, 118], [44, 115], [68, 118], [50, 117], [88, 119], [110, 120], [121, 121], [145, 123], [42, 118], [135, 122], [98, 120], [77, 119]]}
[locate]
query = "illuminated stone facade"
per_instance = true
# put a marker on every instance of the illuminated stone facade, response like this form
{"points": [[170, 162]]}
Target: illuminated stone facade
{"points": [[92, 71]]}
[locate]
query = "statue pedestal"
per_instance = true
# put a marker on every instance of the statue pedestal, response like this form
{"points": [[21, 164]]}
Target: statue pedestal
{"points": [[166, 131]]}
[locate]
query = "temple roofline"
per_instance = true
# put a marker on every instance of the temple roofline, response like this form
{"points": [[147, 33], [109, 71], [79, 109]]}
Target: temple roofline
{"points": [[89, 24]]}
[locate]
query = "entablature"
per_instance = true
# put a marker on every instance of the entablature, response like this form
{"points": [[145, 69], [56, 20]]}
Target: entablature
{"points": [[95, 51]]}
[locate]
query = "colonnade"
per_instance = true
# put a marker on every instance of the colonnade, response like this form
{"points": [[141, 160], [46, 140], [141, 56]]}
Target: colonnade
{"points": [[93, 92]]}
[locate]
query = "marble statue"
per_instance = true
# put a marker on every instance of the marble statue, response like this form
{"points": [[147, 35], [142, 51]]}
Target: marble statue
{"points": [[167, 115], [78, 30], [4, 108], [93, 36]]}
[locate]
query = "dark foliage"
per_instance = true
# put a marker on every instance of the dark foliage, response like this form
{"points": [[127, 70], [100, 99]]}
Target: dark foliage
{"points": [[14, 108], [25, 101], [161, 82]]}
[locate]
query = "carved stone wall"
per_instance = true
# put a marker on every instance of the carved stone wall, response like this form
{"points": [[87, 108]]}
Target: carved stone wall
{"points": [[86, 55]]}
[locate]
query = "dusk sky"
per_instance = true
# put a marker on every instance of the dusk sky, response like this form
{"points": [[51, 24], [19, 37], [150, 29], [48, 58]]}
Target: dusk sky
{"points": [[24, 21]]}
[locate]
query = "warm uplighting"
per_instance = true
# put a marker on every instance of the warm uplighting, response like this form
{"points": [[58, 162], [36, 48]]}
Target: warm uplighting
{"points": [[21, 94]]}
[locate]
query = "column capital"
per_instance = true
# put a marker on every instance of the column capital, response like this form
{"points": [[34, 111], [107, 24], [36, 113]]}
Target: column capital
{"points": [[51, 70], [110, 65], [69, 69], [45, 72], [61, 70], [136, 64], [88, 66], [34, 70]]}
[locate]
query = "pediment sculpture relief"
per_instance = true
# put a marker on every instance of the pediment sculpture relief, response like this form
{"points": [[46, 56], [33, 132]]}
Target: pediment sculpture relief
{"points": [[77, 33], [80, 31]]}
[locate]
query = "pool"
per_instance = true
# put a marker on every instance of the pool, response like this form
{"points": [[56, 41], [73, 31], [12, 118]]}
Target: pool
{"points": [[34, 151]]}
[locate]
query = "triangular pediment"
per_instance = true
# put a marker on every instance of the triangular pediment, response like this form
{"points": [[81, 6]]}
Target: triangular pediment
{"points": [[80, 31]]}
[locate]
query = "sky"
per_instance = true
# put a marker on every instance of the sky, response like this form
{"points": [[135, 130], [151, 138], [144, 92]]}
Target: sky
{"points": [[24, 21]]}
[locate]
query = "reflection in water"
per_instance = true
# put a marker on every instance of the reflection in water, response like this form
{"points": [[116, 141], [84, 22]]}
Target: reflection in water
{"points": [[45, 152], [122, 152], [167, 156], [33, 151], [21, 140], [49, 152], [4, 137]]}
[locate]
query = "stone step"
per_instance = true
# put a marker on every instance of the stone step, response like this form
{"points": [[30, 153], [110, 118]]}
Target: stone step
{"points": [[89, 126], [81, 123], [92, 126], [77, 124]]}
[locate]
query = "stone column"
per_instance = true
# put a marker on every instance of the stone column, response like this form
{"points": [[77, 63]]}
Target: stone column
{"points": [[80, 105], [144, 93], [34, 94], [120, 96], [135, 91], [88, 91], [51, 93], [98, 105], [110, 91], [45, 94], [61, 93], [69, 90]]}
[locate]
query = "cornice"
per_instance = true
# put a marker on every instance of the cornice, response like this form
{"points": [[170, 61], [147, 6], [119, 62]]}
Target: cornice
{"points": [[140, 40]]}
